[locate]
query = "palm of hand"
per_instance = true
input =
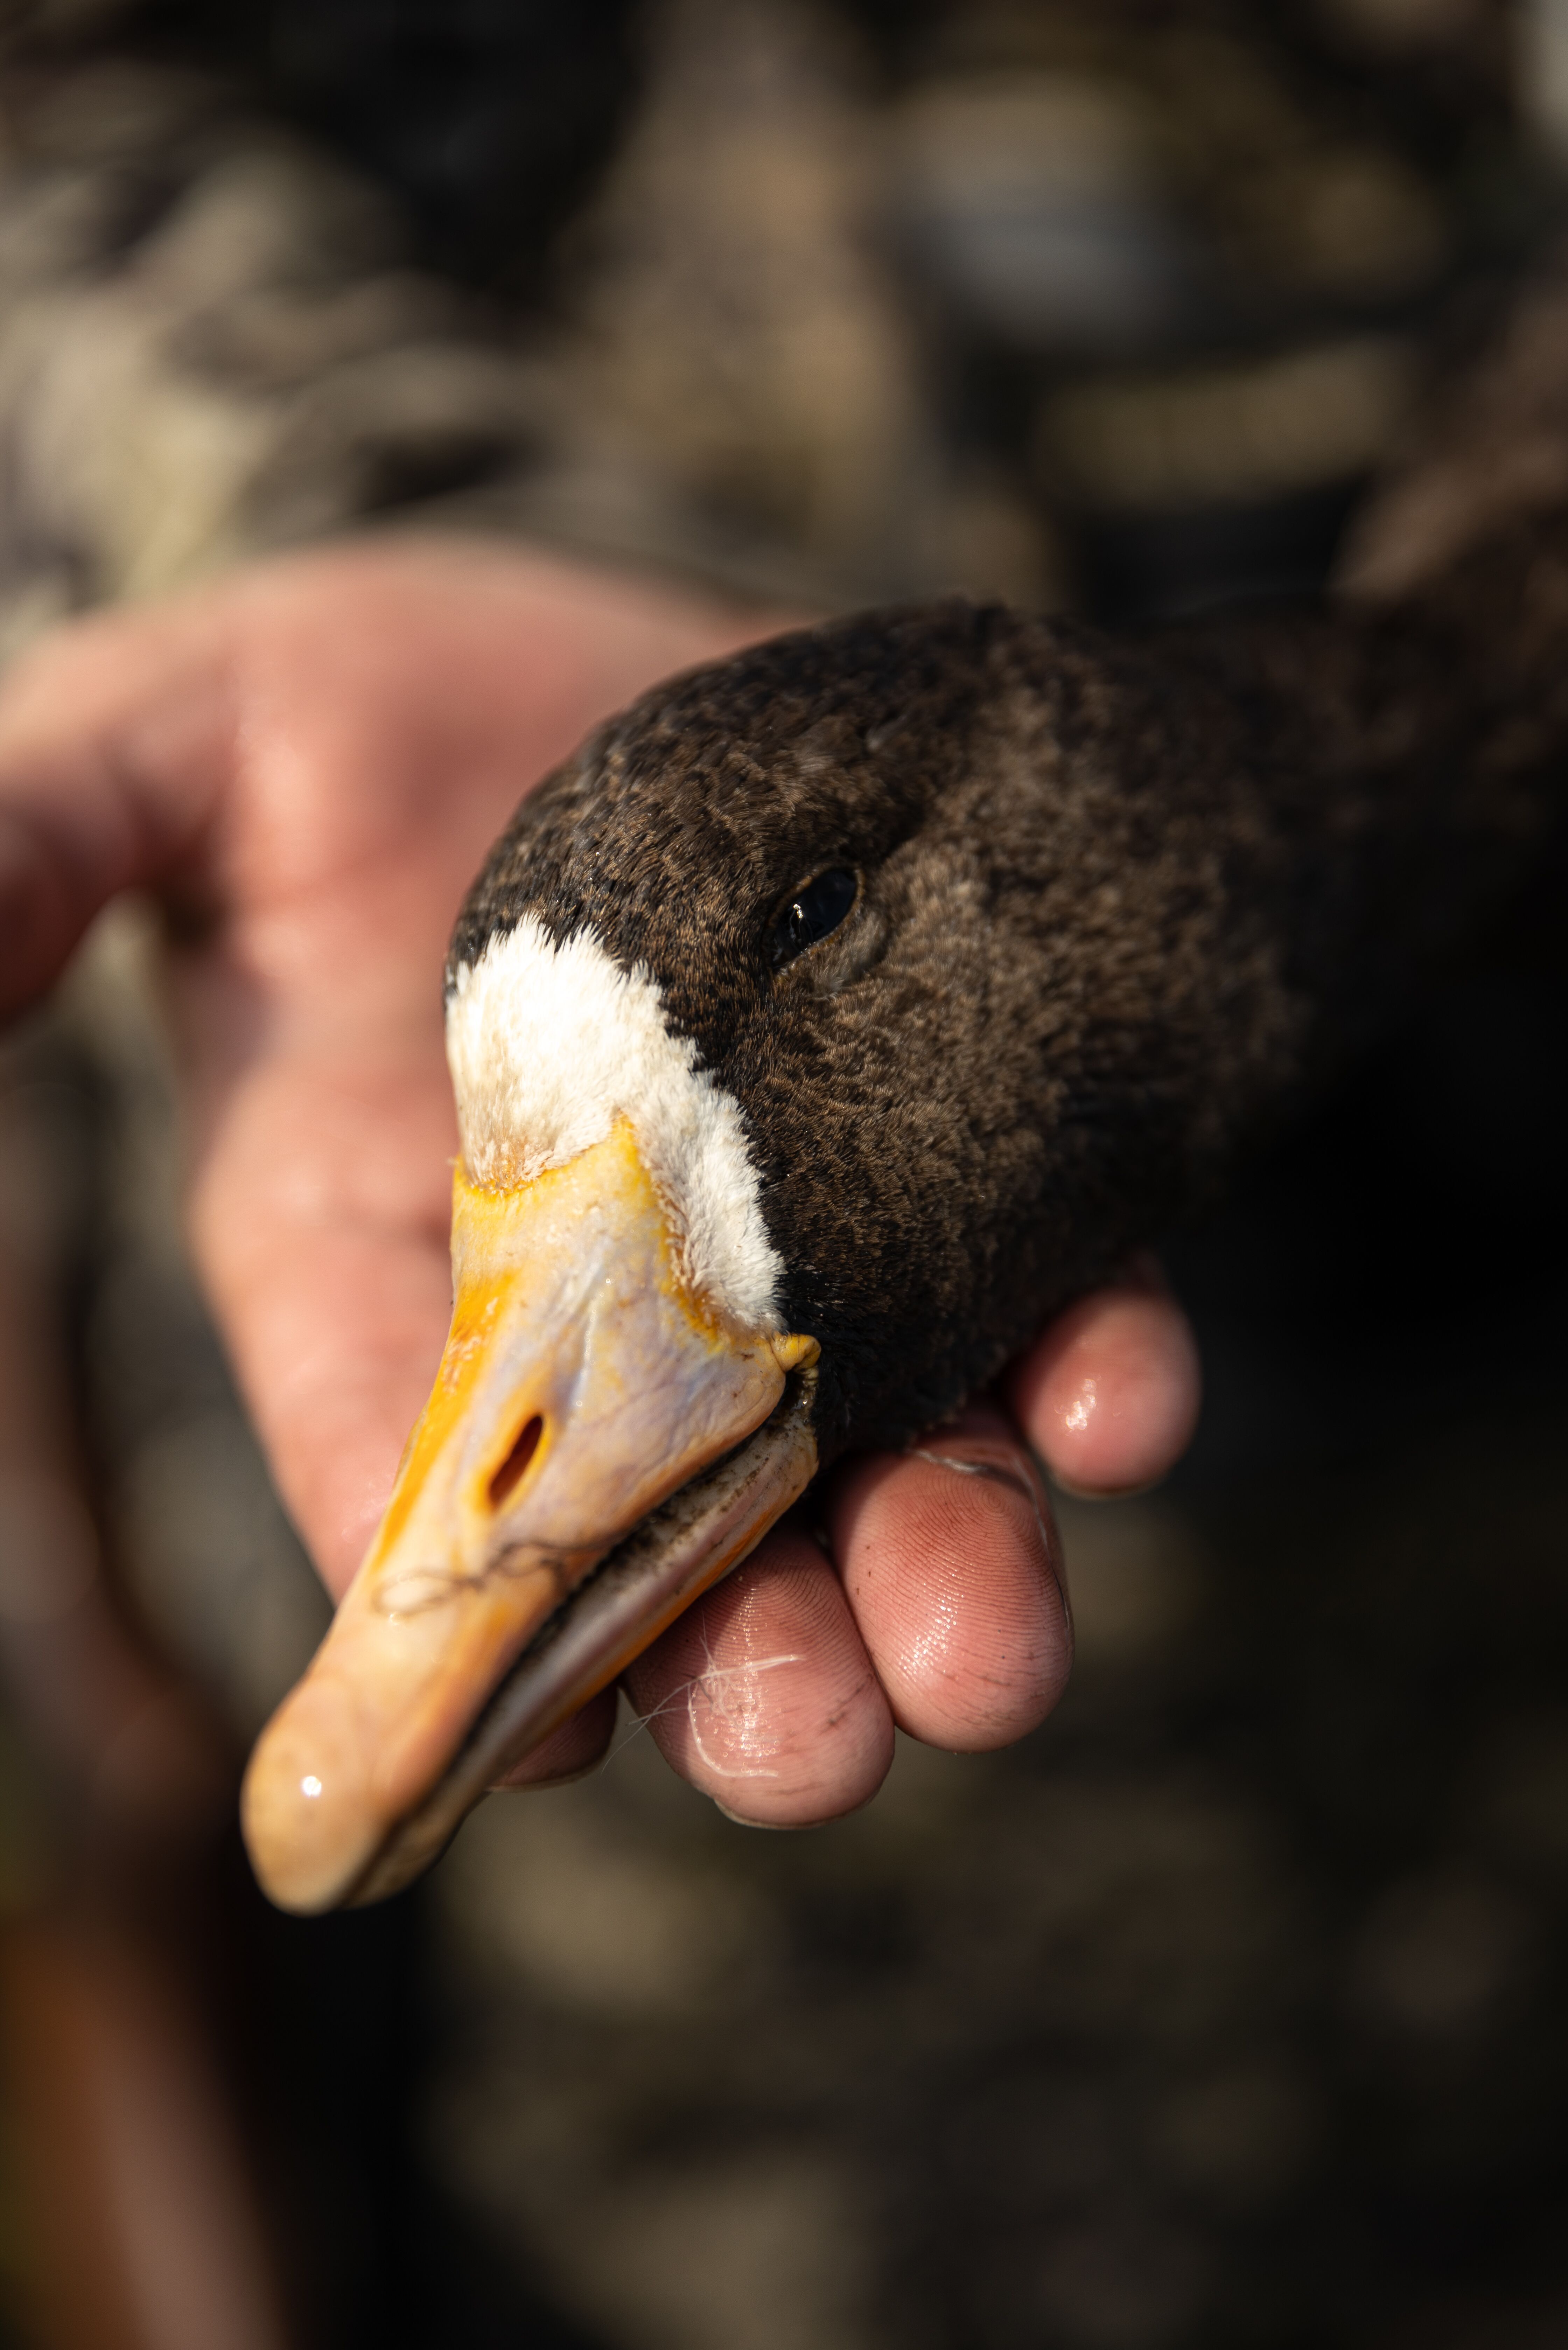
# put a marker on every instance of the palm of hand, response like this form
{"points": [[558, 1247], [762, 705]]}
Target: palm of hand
{"points": [[309, 764]]}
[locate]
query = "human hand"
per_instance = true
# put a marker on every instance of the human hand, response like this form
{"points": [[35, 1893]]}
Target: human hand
{"points": [[307, 764]]}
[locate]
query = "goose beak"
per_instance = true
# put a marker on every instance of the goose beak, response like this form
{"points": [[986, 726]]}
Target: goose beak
{"points": [[531, 1547]]}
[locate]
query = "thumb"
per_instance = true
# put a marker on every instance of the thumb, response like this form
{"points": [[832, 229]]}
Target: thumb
{"points": [[114, 735]]}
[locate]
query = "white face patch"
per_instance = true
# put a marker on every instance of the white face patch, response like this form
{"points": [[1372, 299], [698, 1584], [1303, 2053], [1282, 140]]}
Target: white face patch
{"points": [[549, 1045]]}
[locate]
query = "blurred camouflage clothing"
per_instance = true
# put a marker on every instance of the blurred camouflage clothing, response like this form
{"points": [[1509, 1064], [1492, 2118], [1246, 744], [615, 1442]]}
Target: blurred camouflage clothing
{"points": [[834, 304]]}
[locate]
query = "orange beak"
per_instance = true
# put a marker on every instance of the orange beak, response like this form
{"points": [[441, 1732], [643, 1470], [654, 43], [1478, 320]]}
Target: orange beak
{"points": [[518, 1569]]}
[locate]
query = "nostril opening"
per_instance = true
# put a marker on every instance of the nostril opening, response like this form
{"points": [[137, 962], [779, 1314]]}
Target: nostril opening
{"points": [[513, 1470]]}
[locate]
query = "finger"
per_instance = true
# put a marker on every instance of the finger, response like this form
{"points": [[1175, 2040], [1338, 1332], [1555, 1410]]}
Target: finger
{"points": [[124, 739], [113, 736], [950, 1565], [1110, 1394], [569, 1753], [763, 1694]]}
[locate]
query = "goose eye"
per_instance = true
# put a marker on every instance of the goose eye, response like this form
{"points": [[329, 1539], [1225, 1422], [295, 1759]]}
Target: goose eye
{"points": [[816, 907]]}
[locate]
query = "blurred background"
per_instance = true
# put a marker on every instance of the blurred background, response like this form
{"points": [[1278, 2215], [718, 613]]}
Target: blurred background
{"points": [[1231, 2009]]}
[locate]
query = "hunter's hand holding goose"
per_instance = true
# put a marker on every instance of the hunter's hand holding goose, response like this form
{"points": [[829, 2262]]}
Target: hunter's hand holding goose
{"points": [[835, 1015]]}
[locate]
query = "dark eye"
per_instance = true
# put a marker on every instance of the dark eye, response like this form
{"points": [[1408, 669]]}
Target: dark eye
{"points": [[816, 907]]}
